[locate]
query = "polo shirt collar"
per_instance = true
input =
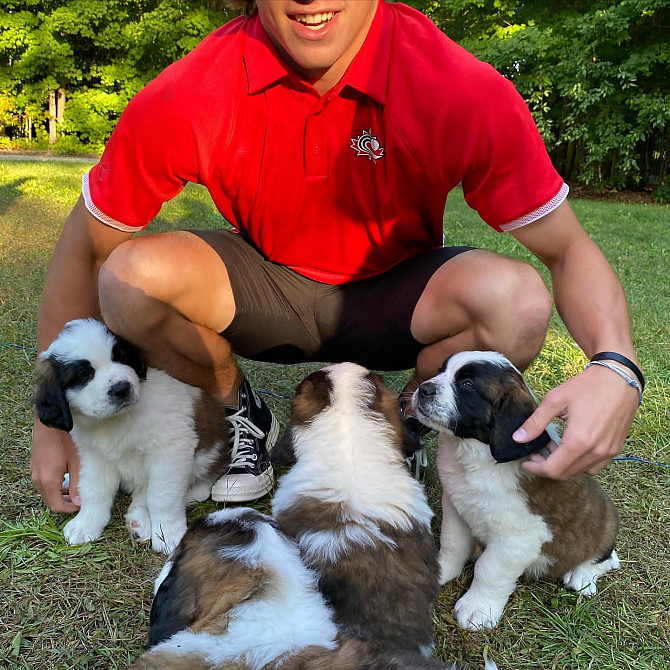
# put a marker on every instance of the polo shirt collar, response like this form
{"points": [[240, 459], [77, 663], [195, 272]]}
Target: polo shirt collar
{"points": [[368, 72], [262, 61]]}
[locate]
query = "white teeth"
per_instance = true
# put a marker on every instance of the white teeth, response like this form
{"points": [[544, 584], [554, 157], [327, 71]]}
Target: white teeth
{"points": [[315, 19]]}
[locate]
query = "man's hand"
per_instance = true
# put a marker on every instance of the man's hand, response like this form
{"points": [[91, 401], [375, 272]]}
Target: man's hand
{"points": [[53, 455], [598, 408]]}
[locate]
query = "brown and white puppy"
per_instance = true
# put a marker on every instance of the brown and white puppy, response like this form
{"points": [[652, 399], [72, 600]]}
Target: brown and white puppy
{"points": [[162, 440], [235, 595], [529, 525], [360, 519]]}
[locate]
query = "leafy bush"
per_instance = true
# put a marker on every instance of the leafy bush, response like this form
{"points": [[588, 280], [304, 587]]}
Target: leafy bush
{"points": [[593, 74], [662, 193]]}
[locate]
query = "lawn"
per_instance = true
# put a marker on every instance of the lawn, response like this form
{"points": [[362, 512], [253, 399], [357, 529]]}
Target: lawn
{"points": [[88, 606]]}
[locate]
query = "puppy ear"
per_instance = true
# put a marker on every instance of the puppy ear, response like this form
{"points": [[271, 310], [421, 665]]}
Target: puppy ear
{"points": [[514, 408], [283, 452], [50, 402], [126, 353], [173, 608]]}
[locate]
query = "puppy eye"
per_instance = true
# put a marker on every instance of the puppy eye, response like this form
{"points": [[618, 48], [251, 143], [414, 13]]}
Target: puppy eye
{"points": [[76, 374], [466, 384]]}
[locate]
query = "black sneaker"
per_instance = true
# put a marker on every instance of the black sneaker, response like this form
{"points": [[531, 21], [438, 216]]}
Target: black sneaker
{"points": [[416, 433], [253, 432]]}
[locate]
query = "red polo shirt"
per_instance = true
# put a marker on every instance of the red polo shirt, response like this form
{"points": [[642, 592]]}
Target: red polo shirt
{"points": [[339, 187]]}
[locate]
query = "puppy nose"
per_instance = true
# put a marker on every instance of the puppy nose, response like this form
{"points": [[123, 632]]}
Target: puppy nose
{"points": [[119, 390], [427, 389]]}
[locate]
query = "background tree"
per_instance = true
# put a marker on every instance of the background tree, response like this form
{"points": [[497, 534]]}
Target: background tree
{"points": [[596, 75], [98, 52]]}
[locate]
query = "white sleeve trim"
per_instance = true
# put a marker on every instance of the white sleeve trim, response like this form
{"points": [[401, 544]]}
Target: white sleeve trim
{"points": [[538, 213], [107, 220]]}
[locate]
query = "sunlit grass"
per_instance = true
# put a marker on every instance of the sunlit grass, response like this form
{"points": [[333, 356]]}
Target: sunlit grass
{"points": [[87, 607]]}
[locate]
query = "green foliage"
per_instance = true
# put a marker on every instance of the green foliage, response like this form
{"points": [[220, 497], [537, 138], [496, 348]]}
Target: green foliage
{"points": [[91, 115], [662, 193], [595, 75], [87, 607], [101, 52]]}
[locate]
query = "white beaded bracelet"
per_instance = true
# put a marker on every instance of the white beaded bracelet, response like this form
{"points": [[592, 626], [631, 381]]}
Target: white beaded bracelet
{"points": [[615, 368]]}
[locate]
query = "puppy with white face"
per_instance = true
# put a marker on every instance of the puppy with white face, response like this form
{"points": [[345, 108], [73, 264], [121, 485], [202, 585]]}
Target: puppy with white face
{"points": [[164, 441], [360, 519], [530, 525], [235, 595]]}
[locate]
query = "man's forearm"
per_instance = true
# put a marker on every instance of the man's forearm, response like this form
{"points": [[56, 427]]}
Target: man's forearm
{"points": [[71, 285], [591, 301], [70, 292], [587, 293]]}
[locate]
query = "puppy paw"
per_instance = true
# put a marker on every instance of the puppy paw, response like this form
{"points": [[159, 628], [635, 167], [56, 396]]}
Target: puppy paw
{"points": [[138, 523], [583, 578], [449, 568], [613, 562], [476, 613], [167, 536], [198, 493], [82, 529]]}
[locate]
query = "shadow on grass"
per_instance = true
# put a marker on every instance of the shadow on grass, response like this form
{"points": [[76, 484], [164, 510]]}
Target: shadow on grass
{"points": [[190, 213], [11, 192]]}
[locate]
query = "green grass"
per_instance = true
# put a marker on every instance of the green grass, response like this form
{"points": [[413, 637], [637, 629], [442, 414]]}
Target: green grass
{"points": [[87, 607]]}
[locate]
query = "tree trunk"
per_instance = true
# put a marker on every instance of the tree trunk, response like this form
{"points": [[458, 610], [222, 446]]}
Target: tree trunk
{"points": [[570, 161], [60, 110], [664, 167], [52, 117]]}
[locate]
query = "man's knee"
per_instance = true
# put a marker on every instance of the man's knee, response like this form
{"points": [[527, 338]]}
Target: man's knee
{"points": [[124, 283], [507, 302], [530, 301], [146, 279], [519, 309]]}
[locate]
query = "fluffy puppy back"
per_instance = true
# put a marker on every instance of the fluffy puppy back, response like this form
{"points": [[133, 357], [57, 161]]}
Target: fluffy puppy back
{"points": [[235, 594], [360, 519]]}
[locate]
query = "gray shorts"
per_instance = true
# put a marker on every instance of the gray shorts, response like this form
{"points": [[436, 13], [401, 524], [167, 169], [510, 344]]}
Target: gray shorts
{"points": [[283, 317]]}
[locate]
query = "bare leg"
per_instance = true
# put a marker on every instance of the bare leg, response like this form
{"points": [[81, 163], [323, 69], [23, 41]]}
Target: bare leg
{"points": [[172, 290], [480, 301]]}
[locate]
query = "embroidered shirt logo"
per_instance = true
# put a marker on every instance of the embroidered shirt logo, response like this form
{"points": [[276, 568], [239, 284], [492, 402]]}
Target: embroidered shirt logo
{"points": [[366, 144]]}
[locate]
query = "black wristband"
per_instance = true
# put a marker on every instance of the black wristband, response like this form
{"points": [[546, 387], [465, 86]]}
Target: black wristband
{"points": [[613, 356]]}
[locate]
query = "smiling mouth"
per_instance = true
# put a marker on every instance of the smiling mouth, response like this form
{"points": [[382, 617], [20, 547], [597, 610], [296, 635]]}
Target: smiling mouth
{"points": [[314, 21]]}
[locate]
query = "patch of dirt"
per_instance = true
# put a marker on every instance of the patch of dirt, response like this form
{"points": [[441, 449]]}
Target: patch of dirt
{"points": [[45, 155], [642, 196]]}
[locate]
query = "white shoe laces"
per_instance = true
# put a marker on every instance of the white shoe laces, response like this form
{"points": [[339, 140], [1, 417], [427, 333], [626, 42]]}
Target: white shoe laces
{"points": [[243, 431], [418, 460]]}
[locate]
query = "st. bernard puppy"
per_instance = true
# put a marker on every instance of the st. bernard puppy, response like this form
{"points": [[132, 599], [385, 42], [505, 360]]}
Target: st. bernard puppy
{"points": [[235, 595], [360, 519], [164, 441], [530, 525]]}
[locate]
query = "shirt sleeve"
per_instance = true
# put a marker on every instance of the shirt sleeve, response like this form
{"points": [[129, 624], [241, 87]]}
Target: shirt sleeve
{"points": [[510, 179], [147, 161]]}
